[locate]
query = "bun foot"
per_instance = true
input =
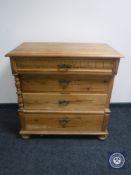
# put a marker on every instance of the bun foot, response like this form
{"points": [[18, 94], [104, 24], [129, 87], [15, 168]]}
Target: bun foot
{"points": [[23, 136], [102, 137]]}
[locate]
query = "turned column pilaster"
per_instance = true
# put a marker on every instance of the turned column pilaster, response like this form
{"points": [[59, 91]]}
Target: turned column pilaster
{"points": [[19, 93]]}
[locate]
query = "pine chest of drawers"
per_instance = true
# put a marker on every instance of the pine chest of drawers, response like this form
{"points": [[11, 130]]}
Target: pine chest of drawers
{"points": [[64, 88]]}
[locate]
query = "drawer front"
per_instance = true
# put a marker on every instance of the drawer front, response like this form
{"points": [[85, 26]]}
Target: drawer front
{"points": [[63, 122], [46, 83], [63, 64], [64, 102]]}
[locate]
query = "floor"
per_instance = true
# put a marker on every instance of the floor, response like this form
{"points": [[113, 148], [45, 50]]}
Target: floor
{"points": [[64, 155]]}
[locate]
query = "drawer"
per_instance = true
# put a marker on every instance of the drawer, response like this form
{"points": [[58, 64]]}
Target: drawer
{"points": [[63, 83], [62, 64], [64, 102], [63, 122]]}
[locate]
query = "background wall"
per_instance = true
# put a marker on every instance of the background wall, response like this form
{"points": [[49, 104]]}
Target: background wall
{"points": [[106, 21]]}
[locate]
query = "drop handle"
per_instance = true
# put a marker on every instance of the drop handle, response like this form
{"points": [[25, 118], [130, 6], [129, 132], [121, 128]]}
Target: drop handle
{"points": [[64, 121], [64, 83], [64, 66], [63, 102]]}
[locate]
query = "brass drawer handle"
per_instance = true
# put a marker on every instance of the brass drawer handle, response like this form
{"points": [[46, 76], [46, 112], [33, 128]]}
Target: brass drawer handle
{"points": [[64, 83], [64, 121], [63, 102], [64, 66]]}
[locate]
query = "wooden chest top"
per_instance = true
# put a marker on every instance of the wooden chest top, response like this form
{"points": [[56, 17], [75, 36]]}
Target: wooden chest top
{"points": [[91, 50]]}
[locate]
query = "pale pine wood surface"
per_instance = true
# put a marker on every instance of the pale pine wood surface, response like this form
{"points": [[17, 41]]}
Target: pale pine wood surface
{"points": [[57, 64], [63, 83], [63, 122], [64, 102], [65, 50], [64, 88]]}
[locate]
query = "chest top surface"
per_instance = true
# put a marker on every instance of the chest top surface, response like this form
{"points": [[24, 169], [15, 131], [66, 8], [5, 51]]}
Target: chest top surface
{"points": [[87, 50]]}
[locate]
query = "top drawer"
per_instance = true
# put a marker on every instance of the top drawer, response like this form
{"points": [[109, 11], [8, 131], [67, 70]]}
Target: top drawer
{"points": [[62, 64]]}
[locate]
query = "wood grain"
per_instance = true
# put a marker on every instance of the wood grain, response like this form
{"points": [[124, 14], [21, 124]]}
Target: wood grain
{"points": [[64, 88], [62, 65], [71, 133], [63, 83], [62, 102], [65, 50], [63, 122]]}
